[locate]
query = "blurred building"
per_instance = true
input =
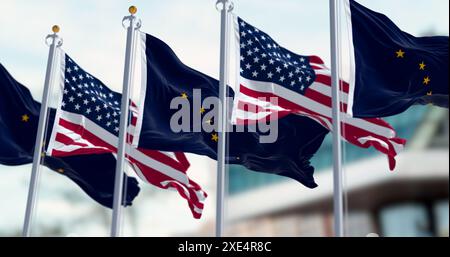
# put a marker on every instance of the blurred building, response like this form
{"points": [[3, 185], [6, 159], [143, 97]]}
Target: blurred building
{"points": [[410, 201]]}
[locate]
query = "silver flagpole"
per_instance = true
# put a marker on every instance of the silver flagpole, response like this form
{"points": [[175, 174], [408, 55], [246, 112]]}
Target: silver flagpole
{"points": [[337, 155], [56, 42], [133, 25], [227, 6]]}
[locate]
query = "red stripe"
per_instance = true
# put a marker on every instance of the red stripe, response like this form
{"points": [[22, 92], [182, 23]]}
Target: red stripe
{"points": [[133, 120], [315, 59], [326, 80]]}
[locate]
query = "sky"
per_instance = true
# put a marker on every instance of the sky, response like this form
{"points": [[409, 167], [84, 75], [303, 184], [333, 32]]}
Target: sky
{"points": [[94, 37], [93, 34]]}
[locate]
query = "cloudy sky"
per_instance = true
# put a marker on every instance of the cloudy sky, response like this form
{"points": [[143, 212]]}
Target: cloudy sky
{"points": [[93, 34], [94, 37]]}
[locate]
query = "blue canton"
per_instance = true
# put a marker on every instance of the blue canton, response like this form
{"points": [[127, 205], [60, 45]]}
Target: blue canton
{"points": [[86, 95], [262, 59]]}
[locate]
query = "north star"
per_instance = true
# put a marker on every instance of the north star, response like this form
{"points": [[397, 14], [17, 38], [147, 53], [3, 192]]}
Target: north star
{"points": [[189, 247]]}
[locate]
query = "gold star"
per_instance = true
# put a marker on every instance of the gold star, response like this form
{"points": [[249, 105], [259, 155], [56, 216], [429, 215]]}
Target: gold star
{"points": [[25, 118], [426, 80], [184, 95], [202, 110], [430, 93], [214, 137], [422, 66], [60, 170], [400, 53]]}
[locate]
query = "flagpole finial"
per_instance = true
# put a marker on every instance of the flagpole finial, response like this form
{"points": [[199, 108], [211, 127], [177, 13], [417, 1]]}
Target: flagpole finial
{"points": [[128, 20], [227, 4], [132, 9], [54, 38], [55, 29]]}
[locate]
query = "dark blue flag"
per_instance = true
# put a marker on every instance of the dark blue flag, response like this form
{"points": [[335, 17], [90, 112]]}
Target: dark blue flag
{"points": [[19, 116], [393, 69], [167, 78]]}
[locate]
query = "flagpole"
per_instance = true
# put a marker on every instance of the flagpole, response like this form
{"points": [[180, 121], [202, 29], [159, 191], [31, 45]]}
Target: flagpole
{"points": [[56, 42], [226, 7], [133, 25], [337, 155]]}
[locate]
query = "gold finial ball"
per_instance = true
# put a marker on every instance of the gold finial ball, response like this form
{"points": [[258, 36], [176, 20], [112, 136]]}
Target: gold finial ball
{"points": [[55, 28], [132, 9]]}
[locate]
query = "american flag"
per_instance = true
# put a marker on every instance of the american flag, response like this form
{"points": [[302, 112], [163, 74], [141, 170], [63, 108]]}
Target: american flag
{"points": [[87, 122], [299, 85]]}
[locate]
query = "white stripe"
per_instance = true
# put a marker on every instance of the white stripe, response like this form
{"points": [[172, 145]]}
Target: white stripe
{"points": [[323, 72], [198, 210], [363, 140], [200, 195], [130, 130], [320, 66], [260, 102], [134, 110], [317, 107], [77, 140], [243, 115]]}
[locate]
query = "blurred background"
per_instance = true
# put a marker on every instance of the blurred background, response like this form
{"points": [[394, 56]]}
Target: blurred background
{"points": [[410, 201]]}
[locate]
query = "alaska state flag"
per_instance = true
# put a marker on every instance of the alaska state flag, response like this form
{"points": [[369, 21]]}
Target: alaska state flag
{"points": [[19, 116], [167, 78], [392, 69]]}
